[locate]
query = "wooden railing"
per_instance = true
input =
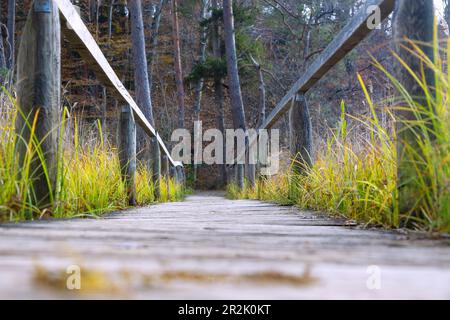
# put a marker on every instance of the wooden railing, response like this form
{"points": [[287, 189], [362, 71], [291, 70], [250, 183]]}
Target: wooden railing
{"points": [[38, 89], [39, 70], [349, 37], [82, 41]]}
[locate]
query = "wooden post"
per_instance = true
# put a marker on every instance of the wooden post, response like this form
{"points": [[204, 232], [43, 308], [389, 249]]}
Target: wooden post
{"points": [[180, 176], [183, 175], [414, 21], [156, 166], [165, 172], [127, 152], [38, 97], [231, 174], [173, 172], [300, 134], [183, 170], [165, 166], [251, 174]]}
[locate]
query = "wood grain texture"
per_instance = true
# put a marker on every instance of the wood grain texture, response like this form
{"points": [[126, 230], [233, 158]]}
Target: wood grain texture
{"points": [[38, 88], [209, 247], [300, 135]]}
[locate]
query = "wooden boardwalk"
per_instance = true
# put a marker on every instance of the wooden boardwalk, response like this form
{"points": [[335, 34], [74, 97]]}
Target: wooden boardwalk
{"points": [[210, 247]]}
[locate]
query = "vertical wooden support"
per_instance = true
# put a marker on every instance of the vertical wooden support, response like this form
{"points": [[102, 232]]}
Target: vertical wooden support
{"points": [[38, 97], [180, 175], [172, 172], [251, 174], [174, 175], [165, 172], [232, 174], [300, 134], [127, 152], [156, 166], [414, 21], [251, 158], [165, 166], [177, 175], [240, 175], [183, 175]]}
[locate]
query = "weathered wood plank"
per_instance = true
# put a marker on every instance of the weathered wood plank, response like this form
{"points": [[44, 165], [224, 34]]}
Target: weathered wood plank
{"points": [[82, 41], [209, 236]]}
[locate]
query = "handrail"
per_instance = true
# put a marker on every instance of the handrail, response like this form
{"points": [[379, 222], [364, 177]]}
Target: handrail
{"points": [[347, 39], [82, 41]]}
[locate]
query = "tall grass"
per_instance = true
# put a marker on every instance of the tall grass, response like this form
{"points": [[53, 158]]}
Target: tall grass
{"points": [[352, 176], [355, 175], [88, 181]]}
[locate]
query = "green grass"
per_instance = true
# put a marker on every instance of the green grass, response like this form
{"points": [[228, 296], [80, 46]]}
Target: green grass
{"points": [[88, 181], [355, 175]]}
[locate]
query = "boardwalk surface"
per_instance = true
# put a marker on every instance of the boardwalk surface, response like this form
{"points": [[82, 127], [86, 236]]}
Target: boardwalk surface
{"points": [[210, 247]]}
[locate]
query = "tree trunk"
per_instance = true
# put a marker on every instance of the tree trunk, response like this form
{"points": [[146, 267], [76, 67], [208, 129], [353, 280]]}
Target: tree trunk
{"points": [[237, 105], [92, 9], [97, 17], [447, 14], [413, 20], [253, 168], [38, 97], [262, 110], [177, 62], [200, 82], [218, 92], [300, 134], [154, 30], [110, 17], [11, 32], [142, 90], [262, 97], [3, 65]]}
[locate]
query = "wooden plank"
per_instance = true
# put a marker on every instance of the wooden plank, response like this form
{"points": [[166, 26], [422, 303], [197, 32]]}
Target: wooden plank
{"points": [[352, 34], [82, 41], [210, 247]]}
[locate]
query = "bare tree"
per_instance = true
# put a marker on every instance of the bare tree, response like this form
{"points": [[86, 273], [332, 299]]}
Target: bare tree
{"points": [[218, 85], [177, 62], [11, 31], [200, 82], [142, 88], [154, 30], [237, 105]]}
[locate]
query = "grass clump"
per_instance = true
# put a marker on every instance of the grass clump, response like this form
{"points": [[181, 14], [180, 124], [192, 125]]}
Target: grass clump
{"points": [[88, 179], [355, 175]]}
